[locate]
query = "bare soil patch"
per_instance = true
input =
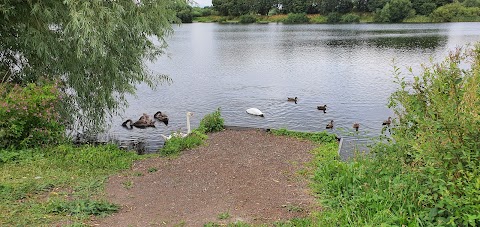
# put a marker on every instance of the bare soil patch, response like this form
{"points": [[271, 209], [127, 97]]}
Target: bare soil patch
{"points": [[251, 175]]}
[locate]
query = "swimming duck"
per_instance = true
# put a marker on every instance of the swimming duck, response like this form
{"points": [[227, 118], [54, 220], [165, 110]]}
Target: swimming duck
{"points": [[356, 126], [292, 99], [139, 124], [324, 108], [180, 134], [161, 117], [255, 111], [330, 125], [387, 122]]}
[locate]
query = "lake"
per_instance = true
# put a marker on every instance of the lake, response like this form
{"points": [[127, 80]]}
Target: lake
{"points": [[348, 67]]}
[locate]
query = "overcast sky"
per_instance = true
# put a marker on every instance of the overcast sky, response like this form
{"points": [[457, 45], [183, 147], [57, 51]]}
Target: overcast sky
{"points": [[204, 2]]}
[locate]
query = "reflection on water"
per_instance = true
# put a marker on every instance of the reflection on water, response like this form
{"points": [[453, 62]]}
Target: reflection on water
{"points": [[236, 67]]}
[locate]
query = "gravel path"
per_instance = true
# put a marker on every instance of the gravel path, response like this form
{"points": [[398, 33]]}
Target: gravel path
{"points": [[251, 175]]}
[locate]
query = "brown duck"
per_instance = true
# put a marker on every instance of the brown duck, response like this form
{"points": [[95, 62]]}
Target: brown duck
{"points": [[330, 125], [387, 122], [356, 126]]}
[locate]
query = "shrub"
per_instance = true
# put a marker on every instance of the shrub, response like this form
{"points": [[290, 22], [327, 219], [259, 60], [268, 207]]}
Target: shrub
{"points": [[212, 122], [30, 115], [394, 11], [296, 18], [430, 175], [334, 17], [247, 19], [455, 12], [350, 18], [437, 134]]}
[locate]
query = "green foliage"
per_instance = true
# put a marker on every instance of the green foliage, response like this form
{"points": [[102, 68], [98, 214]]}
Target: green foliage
{"points": [[372, 191], [30, 176], [471, 3], [175, 145], [430, 175], [295, 222], [97, 49], [247, 19], [317, 137], [224, 215], [185, 14], [82, 207], [334, 17], [212, 122], [438, 135], [395, 11], [350, 18], [455, 12], [30, 116], [296, 18]]}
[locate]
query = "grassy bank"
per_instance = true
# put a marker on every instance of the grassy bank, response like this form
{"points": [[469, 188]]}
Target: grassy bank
{"points": [[60, 184]]}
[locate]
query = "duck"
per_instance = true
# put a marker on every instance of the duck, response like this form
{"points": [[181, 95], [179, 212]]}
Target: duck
{"points": [[330, 125], [180, 134], [356, 125], [324, 108], [138, 124], [161, 117], [292, 99], [255, 111], [387, 122]]}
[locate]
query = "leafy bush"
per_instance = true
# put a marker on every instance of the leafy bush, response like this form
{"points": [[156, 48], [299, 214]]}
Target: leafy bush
{"points": [[296, 18], [430, 175], [334, 17], [247, 19], [455, 12], [30, 115], [471, 3], [437, 134], [394, 11], [350, 18], [212, 122]]}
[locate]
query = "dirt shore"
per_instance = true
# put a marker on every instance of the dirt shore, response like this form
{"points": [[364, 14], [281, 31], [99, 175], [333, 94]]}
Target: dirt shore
{"points": [[249, 176]]}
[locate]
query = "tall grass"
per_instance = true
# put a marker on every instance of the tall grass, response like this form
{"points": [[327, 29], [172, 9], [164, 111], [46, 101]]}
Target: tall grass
{"points": [[38, 186], [430, 175]]}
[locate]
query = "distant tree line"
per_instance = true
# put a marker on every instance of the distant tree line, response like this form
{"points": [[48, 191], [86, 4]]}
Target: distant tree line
{"points": [[390, 11], [264, 7]]}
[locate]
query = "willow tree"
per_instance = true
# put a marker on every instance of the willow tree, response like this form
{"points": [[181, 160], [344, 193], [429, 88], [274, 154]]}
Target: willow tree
{"points": [[96, 49]]}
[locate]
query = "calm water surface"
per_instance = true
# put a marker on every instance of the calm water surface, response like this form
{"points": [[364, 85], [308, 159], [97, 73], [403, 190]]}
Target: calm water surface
{"points": [[236, 67]]}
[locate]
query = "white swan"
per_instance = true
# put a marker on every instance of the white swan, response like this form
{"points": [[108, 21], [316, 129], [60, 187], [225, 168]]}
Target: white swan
{"points": [[255, 111], [180, 134]]}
